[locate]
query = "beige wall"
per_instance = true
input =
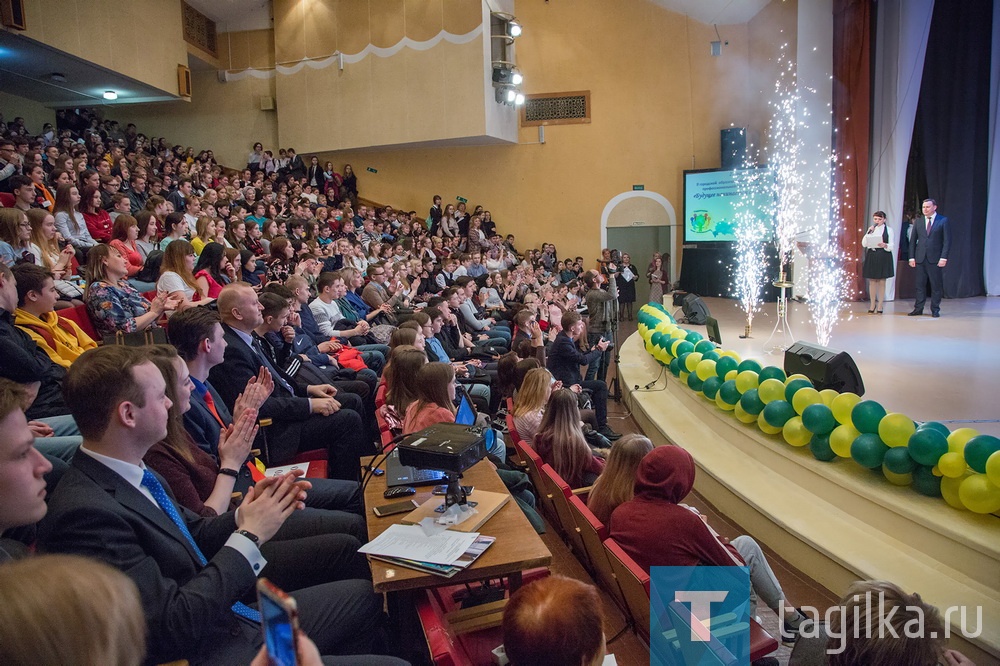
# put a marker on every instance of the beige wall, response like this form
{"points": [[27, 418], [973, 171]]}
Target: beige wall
{"points": [[658, 97], [147, 42], [35, 115], [776, 25], [409, 95], [225, 117]]}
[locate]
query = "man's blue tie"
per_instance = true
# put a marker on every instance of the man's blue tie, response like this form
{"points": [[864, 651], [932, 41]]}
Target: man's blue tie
{"points": [[151, 483]]}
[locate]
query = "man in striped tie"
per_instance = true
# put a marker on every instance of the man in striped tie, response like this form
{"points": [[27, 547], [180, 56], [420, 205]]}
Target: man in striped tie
{"points": [[196, 576]]}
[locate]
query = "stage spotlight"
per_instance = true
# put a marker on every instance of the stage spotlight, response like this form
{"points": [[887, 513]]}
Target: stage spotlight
{"points": [[514, 29], [516, 78], [519, 99], [511, 95]]}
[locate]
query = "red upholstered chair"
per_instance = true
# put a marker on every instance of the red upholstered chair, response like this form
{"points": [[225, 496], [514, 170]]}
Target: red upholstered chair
{"points": [[556, 489], [81, 318]]}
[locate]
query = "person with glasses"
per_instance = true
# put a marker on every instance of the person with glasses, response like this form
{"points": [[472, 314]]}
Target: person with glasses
{"points": [[9, 164], [15, 236]]}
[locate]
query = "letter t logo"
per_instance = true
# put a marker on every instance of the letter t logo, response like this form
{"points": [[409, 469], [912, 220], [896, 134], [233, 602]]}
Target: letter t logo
{"points": [[701, 603]]}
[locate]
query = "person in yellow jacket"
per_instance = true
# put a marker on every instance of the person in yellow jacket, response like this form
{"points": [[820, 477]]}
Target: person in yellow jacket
{"points": [[59, 337]]}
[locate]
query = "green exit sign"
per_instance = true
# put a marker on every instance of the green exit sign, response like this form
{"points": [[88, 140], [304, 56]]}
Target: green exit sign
{"points": [[638, 188], [462, 199], [371, 170]]}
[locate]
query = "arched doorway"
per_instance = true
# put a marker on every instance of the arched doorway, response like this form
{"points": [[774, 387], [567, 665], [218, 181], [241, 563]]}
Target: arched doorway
{"points": [[640, 223]]}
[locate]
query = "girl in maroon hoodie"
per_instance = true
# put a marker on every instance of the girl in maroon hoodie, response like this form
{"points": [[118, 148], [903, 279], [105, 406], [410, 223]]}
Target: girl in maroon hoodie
{"points": [[664, 478]]}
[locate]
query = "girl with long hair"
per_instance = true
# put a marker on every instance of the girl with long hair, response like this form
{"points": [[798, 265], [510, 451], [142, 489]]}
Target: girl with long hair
{"points": [[97, 219], [282, 263], [560, 441], [212, 271], [400, 376], [435, 401], [69, 220], [530, 401], [15, 237], [205, 232], [147, 241], [45, 244], [177, 275], [124, 236], [616, 484]]}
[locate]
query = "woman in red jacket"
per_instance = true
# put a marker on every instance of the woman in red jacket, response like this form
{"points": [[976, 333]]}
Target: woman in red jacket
{"points": [[98, 220]]}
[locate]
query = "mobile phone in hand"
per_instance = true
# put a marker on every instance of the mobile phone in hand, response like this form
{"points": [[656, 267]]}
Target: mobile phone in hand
{"points": [[280, 622]]}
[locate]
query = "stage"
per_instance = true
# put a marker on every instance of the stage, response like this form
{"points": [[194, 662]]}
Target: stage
{"points": [[837, 521], [945, 369]]}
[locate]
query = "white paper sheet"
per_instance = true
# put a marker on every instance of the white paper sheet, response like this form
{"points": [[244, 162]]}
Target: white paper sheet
{"points": [[410, 542]]}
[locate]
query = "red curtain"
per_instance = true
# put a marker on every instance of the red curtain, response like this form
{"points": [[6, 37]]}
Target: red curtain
{"points": [[852, 124]]}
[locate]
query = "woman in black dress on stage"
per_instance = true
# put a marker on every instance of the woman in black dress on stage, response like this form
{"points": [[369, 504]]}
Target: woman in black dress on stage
{"points": [[626, 287], [878, 243]]}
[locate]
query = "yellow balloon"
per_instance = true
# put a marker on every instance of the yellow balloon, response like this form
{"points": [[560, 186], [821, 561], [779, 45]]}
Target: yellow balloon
{"points": [[746, 380], [805, 397], [683, 377], [673, 346], [795, 433], [767, 427], [952, 465], [978, 495], [936, 471], [742, 414], [692, 361], [841, 439], [731, 354], [663, 326], [842, 406], [958, 438], [949, 491], [722, 404], [771, 390], [828, 395], [732, 374], [993, 468], [705, 369], [895, 429], [897, 479], [790, 378]]}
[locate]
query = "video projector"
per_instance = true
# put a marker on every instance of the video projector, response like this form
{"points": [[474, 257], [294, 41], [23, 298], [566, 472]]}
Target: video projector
{"points": [[447, 447]]}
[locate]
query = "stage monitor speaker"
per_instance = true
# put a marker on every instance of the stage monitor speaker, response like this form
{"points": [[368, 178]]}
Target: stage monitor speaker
{"points": [[826, 368], [734, 147], [12, 14], [695, 310]]}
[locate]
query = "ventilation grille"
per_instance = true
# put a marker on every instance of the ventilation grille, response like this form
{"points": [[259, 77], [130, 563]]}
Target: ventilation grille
{"points": [[556, 109], [199, 30]]}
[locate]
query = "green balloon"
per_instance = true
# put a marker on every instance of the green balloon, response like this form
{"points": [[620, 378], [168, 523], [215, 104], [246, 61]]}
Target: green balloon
{"points": [[694, 383], [710, 355], [979, 449], [749, 364], [730, 394], [866, 416], [868, 450], [819, 419], [820, 447], [657, 339], [675, 367], [724, 365], [682, 358], [934, 425], [770, 372], [925, 483], [751, 402], [711, 387], [926, 446], [794, 386], [694, 337], [684, 347], [777, 412], [703, 346], [898, 461]]}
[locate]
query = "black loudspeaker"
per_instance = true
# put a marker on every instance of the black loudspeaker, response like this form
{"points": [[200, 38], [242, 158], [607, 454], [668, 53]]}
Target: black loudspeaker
{"points": [[734, 147], [695, 310], [826, 368]]}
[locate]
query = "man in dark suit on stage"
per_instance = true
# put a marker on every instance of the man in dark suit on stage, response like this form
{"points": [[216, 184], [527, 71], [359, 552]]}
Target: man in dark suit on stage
{"points": [[304, 417], [930, 241], [195, 575]]}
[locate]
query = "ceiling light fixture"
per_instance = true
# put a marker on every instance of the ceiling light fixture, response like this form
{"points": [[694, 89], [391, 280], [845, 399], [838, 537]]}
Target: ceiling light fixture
{"points": [[110, 95]]}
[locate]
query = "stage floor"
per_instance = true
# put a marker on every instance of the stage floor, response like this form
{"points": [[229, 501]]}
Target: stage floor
{"points": [[945, 369]]}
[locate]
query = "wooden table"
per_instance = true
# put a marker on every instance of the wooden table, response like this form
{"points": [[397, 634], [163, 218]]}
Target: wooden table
{"points": [[517, 548]]}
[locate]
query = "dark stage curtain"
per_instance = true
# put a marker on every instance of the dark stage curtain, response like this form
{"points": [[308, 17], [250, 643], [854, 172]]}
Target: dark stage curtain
{"points": [[952, 127], [852, 107]]}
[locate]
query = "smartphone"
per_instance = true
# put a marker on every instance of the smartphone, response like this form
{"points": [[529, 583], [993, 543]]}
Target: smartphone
{"points": [[395, 507], [443, 490], [280, 621]]}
